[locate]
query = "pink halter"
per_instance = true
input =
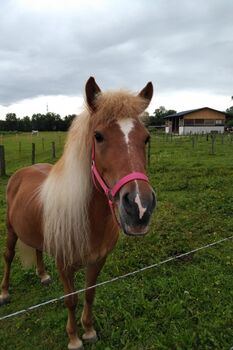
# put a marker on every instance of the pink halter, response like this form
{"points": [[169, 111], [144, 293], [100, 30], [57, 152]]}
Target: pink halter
{"points": [[112, 192]]}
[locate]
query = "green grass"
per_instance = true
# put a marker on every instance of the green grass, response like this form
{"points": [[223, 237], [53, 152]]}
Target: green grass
{"points": [[186, 304]]}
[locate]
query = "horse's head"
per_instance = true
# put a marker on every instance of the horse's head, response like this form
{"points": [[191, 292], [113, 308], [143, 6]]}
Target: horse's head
{"points": [[119, 157]]}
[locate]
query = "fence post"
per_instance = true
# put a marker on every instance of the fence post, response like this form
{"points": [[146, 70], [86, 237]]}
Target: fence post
{"points": [[193, 141], [213, 137], [222, 138], [33, 153], [53, 150], [2, 161], [148, 154]]}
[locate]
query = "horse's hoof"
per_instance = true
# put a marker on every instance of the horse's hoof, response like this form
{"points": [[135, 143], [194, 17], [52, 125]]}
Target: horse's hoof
{"points": [[46, 280], [4, 300], [90, 337], [77, 345]]}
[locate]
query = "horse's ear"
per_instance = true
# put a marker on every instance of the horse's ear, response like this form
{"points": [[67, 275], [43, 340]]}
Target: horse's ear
{"points": [[147, 92], [92, 90]]}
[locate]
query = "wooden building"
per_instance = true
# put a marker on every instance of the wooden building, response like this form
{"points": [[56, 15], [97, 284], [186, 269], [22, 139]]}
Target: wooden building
{"points": [[195, 121]]}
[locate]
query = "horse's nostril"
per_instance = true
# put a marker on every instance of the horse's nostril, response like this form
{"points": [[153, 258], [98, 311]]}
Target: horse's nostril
{"points": [[127, 202], [126, 199]]}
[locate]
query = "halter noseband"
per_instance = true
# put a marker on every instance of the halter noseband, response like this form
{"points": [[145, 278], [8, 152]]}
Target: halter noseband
{"points": [[112, 192]]}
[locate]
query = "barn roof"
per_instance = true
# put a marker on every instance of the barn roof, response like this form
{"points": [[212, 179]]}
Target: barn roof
{"points": [[181, 114]]}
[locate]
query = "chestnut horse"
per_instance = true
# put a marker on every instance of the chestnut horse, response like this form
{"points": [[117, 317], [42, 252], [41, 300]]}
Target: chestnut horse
{"points": [[73, 210]]}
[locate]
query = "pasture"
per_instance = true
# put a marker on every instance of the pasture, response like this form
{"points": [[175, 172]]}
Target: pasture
{"points": [[185, 304]]}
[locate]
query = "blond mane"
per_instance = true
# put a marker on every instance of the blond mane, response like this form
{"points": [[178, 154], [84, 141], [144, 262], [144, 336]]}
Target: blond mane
{"points": [[66, 193]]}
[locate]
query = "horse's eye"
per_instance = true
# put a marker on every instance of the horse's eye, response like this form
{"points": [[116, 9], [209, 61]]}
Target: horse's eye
{"points": [[99, 137], [147, 139]]}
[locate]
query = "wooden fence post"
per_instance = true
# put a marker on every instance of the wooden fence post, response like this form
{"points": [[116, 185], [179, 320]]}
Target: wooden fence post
{"points": [[222, 138], [2, 161], [53, 150], [213, 137], [193, 141], [33, 153], [148, 154]]}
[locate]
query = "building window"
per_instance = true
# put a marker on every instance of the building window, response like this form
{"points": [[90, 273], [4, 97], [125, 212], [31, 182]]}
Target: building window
{"points": [[209, 122], [219, 122], [189, 122], [199, 122]]}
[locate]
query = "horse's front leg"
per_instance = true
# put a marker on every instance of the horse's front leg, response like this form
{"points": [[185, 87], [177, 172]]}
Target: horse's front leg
{"points": [[40, 269], [92, 273], [67, 277]]}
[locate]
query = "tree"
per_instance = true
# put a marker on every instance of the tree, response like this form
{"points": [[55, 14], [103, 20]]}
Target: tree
{"points": [[11, 122], [27, 124], [159, 114], [2, 125], [229, 112], [229, 117], [68, 120], [145, 118]]}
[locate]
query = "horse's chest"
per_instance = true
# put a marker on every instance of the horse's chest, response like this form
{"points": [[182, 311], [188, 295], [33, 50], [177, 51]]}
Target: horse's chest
{"points": [[102, 247]]}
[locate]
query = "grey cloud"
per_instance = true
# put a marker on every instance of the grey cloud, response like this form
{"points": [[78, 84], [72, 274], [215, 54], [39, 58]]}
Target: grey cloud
{"points": [[177, 44]]}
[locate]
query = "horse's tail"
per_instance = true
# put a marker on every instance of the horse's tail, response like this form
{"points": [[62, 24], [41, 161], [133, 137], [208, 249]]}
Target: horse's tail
{"points": [[27, 254]]}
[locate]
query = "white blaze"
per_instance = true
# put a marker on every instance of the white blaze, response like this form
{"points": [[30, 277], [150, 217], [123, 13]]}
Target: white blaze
{"points": [[140, 207], [126, 126]]}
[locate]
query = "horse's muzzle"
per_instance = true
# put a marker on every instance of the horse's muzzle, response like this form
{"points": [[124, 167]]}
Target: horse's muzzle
{"points": [[135, 211]]}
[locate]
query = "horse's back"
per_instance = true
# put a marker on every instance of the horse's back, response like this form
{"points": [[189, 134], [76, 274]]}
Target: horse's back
{"points": [[24, 211]]}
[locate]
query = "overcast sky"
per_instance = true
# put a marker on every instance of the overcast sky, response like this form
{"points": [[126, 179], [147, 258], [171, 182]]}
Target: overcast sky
{"points": [[49, 48]]}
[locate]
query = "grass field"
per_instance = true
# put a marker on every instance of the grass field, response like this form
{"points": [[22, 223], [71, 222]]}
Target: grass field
{"points": [[182, 305]]}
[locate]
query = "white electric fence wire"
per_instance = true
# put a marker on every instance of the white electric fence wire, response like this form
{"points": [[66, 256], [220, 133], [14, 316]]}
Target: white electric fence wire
{"points": [[23, 311]]}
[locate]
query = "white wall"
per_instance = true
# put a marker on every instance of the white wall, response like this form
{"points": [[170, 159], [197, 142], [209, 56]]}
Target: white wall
{"points": [[168, 129], [185, 130]]}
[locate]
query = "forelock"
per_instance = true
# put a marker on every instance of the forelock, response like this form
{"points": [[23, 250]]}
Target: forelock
{"points": [[118, 105]]}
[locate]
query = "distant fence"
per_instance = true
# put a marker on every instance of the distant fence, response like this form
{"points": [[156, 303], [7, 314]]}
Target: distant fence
{"points": [[194, 139], [2, 161], [33, 155], [39, 146]]}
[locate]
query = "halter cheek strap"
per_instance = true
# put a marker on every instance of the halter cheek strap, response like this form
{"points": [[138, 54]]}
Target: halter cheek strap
{"points": [[112, 192]]}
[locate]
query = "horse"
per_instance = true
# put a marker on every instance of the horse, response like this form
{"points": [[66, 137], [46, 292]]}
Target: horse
{"points": [[74, 210], [35, 132]]}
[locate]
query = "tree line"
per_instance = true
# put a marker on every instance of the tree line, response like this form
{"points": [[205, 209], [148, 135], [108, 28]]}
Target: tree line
{"points": [[53, 122], [41, 122]]}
